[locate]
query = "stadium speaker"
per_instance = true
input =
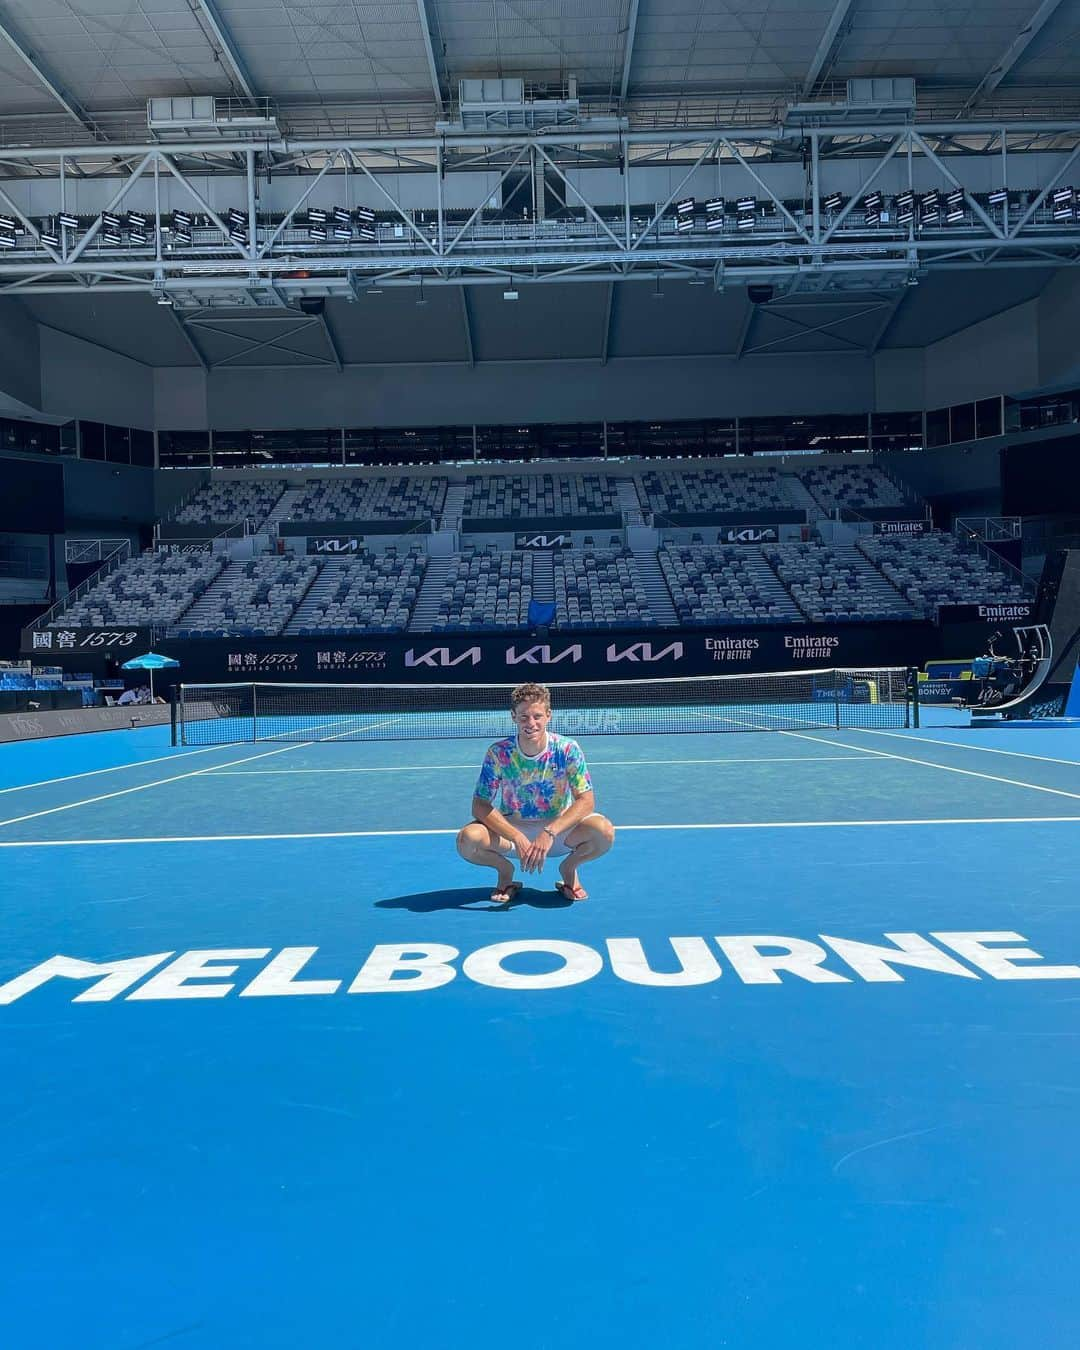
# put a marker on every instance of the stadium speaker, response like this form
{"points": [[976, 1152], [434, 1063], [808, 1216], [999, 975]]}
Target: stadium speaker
{"points": [[759, 295], [312, 304]]}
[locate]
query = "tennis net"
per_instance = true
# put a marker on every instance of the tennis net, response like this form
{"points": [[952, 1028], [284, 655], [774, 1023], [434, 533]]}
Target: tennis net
{"points": [[208, 714]]}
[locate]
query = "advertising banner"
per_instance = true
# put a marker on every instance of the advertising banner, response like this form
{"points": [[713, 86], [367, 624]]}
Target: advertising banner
{"points": [[567, 656], [543, 541], [56, 641], [748, 534], [336, 528], [901, 527], [335, 543], [179, 546], [1021, 613]]}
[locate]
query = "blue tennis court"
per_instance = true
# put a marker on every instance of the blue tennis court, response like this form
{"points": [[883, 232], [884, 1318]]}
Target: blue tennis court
{"points": [[794, 1074]]}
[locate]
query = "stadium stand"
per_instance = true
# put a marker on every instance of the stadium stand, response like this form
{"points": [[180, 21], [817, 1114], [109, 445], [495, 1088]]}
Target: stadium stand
{"points": [[485, 590], [729, 585], [250, 599], [149, 591], [830, 582], [489, 497], [853, 486], [367, 593], [231, 500], [599, 588], [665, 490], [391, 498], [936, 569]]}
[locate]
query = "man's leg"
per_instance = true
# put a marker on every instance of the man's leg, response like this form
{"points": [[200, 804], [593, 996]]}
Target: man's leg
{"points": [[477, 844], [588, 840]]}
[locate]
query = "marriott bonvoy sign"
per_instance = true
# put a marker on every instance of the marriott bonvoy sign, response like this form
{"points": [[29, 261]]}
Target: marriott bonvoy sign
{"points": [[422, 966]]}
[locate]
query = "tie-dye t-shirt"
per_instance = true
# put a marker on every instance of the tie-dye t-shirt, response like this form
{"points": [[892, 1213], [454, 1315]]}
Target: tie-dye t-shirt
{"points": [[537, 787]]}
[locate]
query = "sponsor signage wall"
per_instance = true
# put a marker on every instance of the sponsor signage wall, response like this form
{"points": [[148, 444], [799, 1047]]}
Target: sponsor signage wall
{"points": [[180, 532], [989, 614], [748, 534], [561, 657], [901, 527], [96, 641], [884, 513], [542, 540], [179, 546], [335, 543]]}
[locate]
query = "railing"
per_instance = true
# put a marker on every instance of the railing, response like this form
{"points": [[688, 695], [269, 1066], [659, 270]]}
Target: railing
{"points": [[93, 550], [994, 529], [112, 561], [995, 560]]}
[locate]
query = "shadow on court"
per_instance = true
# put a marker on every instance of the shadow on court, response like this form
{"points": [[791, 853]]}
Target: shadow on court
{"points": [[475, 898]]}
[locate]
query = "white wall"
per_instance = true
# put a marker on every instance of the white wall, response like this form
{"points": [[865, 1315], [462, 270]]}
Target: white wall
{"points": [[79, 379]]}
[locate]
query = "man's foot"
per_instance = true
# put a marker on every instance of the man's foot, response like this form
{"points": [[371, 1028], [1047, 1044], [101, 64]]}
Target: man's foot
{"points": [[571, 890], [505, 892]]}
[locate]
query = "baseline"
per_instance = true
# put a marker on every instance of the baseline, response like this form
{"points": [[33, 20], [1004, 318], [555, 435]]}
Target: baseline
{"points": [[621, 829], [964, 745]]}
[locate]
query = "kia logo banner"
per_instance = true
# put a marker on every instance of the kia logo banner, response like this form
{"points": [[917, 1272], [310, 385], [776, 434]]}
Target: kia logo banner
{"points": [[335, 543], [508, 658], [543, 540]]}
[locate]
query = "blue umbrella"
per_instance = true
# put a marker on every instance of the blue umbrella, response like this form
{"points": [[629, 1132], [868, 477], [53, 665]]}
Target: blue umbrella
{"points": [[150, 661]]}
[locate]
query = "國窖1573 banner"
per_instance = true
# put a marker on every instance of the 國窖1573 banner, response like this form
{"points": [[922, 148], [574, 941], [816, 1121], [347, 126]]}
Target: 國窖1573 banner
{"points": [[96, 641]]}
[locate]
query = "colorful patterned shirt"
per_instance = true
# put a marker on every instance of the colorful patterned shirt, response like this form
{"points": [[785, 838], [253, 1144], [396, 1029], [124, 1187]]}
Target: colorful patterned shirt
{"points": [[534, 787]]}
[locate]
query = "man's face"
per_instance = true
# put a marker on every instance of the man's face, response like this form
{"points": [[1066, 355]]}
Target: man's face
{"points": [[532, 719]]}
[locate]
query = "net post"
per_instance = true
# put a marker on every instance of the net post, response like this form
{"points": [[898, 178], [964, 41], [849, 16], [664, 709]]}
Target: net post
{"points": [[254, 715], [172, 713], [913, 685], [836, 697]]}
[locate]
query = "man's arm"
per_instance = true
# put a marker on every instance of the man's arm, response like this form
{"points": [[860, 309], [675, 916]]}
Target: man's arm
{"points": [[494, 819], [584, 804]]}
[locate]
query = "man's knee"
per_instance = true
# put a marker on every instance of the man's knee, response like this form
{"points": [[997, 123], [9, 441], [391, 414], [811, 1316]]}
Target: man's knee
{"points": [[471, 839], [597, 831]]}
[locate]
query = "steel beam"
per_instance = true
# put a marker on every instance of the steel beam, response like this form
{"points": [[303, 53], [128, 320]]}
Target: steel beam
{"points": [[429, 51], [628, 49], [331, 341], [609, 310], [466, 318], [1013, 53], [825, 46], [238, 71], [190, 340], [44, 77]]}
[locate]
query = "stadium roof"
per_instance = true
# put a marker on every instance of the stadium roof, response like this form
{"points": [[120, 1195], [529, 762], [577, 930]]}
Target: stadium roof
{"points": [[327, 67]]}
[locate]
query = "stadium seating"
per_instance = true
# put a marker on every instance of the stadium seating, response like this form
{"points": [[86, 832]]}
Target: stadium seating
{"points": [[851, 485], [829, 583], [727, 585], [485, 590], [251, 599], [231, 500], [532, 495], [149, 591], [936, 569], [666, 490], [367, 593], [399, 497], [599, 588]]}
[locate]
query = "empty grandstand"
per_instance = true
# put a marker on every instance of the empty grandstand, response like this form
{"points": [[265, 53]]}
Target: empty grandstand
{"points": [[149, 591], [489, 497], [485, 590], [937, 569], [600, 588], [665, 491], [231, 500], [400, 497]]}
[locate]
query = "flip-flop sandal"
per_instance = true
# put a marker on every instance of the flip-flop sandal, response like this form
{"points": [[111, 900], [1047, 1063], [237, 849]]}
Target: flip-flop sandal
{"points": [[569, 892], [504, 895]]}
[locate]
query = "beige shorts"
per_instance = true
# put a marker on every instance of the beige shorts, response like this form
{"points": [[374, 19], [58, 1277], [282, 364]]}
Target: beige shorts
{"points": [[531, 828]]}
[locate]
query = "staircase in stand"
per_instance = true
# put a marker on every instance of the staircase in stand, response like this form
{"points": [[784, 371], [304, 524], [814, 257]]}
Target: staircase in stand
{"points": [[429, 600], [452, 506], [208, 605], [317, 594], [629, 502], [281, 511], [543, 576], [655, 587]]}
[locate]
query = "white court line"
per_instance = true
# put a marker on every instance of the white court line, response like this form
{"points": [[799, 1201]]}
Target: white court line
{"points": [[143, 787], [114, 768], [963, 745], [929, 764], [621, 829], [622, 763], [176, 778]]}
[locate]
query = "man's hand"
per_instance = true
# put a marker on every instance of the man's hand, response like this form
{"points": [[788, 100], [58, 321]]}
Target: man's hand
{"points": [[532, 852]]}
